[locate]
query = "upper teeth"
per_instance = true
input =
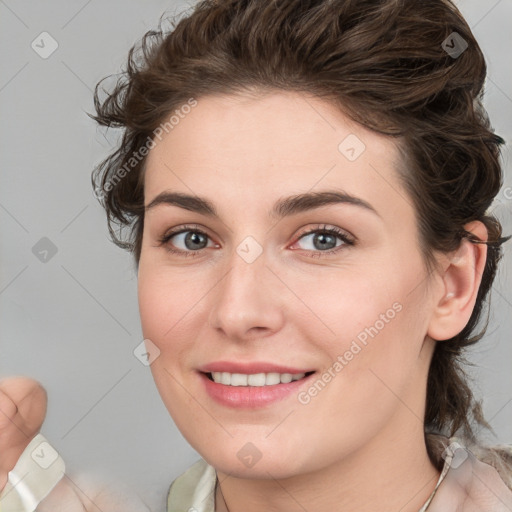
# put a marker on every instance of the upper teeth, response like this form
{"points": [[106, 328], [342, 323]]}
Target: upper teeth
{"points": [[254, 379]]}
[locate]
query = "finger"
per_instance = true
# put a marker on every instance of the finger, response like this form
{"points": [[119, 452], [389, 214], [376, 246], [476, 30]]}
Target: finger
{"points": [[8, 409]]}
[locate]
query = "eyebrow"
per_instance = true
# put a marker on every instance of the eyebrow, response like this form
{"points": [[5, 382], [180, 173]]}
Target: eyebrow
{"points": [[282, 208]]}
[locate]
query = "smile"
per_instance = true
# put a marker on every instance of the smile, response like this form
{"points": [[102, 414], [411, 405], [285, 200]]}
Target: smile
{"points": [[252, 390], [254, 379]]}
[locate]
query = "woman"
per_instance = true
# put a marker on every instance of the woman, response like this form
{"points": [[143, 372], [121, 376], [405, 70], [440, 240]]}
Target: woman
{"points": [[306, 187]]}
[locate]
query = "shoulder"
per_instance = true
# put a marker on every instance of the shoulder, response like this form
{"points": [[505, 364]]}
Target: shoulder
{"points": [[475, 477], [498, 456]]}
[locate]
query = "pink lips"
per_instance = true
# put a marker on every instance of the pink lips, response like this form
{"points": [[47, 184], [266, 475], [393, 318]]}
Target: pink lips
{"points": [[250, 397]]}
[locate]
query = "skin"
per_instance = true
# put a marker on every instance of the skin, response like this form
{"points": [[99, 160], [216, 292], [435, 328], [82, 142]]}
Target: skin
{"points": [[22, 412], [359, 443]]}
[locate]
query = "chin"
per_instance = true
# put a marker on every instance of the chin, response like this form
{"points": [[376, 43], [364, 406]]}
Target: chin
{"points": [[256, 459]]}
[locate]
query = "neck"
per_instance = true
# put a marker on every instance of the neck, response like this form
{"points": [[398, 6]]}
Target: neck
{"points": [[392, 469]]}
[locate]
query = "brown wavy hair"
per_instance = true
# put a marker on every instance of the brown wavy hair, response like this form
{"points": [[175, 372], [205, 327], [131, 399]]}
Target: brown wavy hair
{"points": [[390, 65]]}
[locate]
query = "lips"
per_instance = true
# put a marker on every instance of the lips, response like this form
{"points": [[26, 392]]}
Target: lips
{"points": [[251, 385]]}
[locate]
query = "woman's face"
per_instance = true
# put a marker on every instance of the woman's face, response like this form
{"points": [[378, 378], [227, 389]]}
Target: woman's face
{"points": [[253, 288]]}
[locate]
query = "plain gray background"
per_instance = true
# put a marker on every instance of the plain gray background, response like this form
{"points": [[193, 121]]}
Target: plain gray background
{"points": [[72, 322]]}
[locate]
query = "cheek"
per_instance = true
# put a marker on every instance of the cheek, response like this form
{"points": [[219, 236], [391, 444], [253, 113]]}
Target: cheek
{"points": [[371, 362], [173, 312], [166, 305], [350, 304], [370, 320], [166, 298], [153, 306]]}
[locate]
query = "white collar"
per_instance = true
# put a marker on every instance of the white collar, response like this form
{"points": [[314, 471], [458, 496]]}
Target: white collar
{"points": [[194, 490]]}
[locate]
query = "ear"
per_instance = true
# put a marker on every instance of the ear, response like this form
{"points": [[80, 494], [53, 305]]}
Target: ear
{"points": [[461, 280]]}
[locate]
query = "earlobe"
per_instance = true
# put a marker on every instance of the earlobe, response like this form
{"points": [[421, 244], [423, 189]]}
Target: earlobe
{"points": [[461, 281]]}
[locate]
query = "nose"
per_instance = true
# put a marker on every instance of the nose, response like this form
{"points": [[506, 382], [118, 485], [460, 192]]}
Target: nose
{"points": [[248, 302]]}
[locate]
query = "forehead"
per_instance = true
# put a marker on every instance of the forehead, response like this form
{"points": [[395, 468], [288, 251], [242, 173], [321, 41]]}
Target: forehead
{"points": [[254, 148]]}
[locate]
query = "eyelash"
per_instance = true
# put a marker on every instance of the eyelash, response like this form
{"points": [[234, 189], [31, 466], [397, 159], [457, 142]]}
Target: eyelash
{"points": [[345, 238]]}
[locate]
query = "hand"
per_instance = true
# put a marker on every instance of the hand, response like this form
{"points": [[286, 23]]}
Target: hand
{"points": [[22, 412]]}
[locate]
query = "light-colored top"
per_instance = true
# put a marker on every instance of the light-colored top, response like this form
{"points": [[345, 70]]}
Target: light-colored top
{"points": [[473, 479]]}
